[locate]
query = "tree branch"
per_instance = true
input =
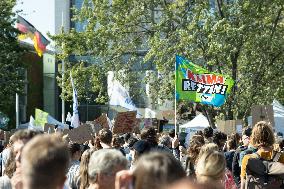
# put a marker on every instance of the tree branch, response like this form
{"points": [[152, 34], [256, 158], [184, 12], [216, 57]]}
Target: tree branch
{"points": [[219, 2], [276, 21]]}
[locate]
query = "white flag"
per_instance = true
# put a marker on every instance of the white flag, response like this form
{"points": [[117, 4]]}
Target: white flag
{"points": [[118, 95], [75, 117]]}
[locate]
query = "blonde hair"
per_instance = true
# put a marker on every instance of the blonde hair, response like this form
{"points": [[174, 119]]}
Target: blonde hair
{"points": [[208, 148], [210, 167], [262, 135]]}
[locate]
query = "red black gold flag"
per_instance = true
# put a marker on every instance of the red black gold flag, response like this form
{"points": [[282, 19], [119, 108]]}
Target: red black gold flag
{"points": [[29, 31]]}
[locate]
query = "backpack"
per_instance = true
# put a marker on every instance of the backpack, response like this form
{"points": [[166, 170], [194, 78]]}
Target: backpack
{"points": [[264, 174]]}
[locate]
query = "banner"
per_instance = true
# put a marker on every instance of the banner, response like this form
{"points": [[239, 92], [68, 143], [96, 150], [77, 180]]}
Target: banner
{"points": [[196, 84]]}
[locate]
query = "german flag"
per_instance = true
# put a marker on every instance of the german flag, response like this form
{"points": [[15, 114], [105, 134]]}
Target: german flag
{"points": [[29, 31]]}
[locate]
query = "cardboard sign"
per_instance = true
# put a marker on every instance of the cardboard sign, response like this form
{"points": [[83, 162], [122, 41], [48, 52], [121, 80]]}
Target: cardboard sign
{"points": [[262, 113], [95, 126], [229, 126], [124, 122], [80, 134], [103, 121]]}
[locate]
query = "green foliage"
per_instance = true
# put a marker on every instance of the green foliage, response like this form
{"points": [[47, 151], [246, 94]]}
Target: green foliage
{"points": [[10, 63], [242, 39]]}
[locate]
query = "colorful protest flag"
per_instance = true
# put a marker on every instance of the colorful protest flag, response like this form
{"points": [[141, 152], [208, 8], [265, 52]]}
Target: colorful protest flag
{"points": [[196, 84], [75, 117], [29, 31]]}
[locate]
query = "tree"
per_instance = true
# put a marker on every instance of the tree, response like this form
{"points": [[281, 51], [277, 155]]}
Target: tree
{"points": [[11, 81], [242, 39]]}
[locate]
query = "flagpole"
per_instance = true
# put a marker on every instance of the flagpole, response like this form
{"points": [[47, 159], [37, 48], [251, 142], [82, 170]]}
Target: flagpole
{"points": [[175, 99], [17, 111], [63, 70]]}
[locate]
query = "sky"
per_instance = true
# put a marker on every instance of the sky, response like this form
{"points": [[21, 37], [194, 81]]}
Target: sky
{"points": [[39, 13]]}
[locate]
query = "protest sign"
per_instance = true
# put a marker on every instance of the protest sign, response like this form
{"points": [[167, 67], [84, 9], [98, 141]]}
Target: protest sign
{"points": [[40, 118], [95, 126], [196, 84], [229, 126], [80, 134], [262, 113], [103, 121], [124, 122]]}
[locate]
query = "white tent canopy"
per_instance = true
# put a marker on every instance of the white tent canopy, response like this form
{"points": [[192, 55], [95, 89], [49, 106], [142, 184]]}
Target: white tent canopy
{"points": [[199, 121]]}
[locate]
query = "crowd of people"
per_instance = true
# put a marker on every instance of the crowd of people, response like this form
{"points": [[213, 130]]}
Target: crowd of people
{"points": [[148, 160]]}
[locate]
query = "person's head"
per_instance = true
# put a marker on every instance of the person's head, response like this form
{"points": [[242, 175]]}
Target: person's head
{"points": [[83, 172], [262, 135], [172, 133], [45, 162], [210, 167], [156, 170], [195, 145], [105, 136], [75, 151], [117, 141], [208, 132], [165, 140], [199, 133], [21, 137], [103, 166], [150, 135], [246, 136], [208, 148], [236, 137], [231, 144], [219, 138]]}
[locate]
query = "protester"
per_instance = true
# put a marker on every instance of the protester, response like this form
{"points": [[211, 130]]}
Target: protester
{"points": [[150, 135], [195, 145], [229, 154], [44, 163], [73, 171], [236, 164], [263, 139], [208, 135], [5, 154], [103, 166], [82, 180], [220, 138], [211, 168], [13, 168], [117, 143], [105, 137], [154, 170]]}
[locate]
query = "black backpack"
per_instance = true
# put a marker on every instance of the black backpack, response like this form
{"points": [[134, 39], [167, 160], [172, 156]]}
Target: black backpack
{"points": [[264, 174]]}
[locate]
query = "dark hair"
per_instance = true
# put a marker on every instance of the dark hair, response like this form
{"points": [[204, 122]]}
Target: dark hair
{"points": [[156, 170], [150, 135], [126, 136], [199, 133], [281, 145], [105, 136], [218, 137], [247, 131], [172, 133], [117, 141], [73, 148], [232, 145], [131, 141], [208, 132]]}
